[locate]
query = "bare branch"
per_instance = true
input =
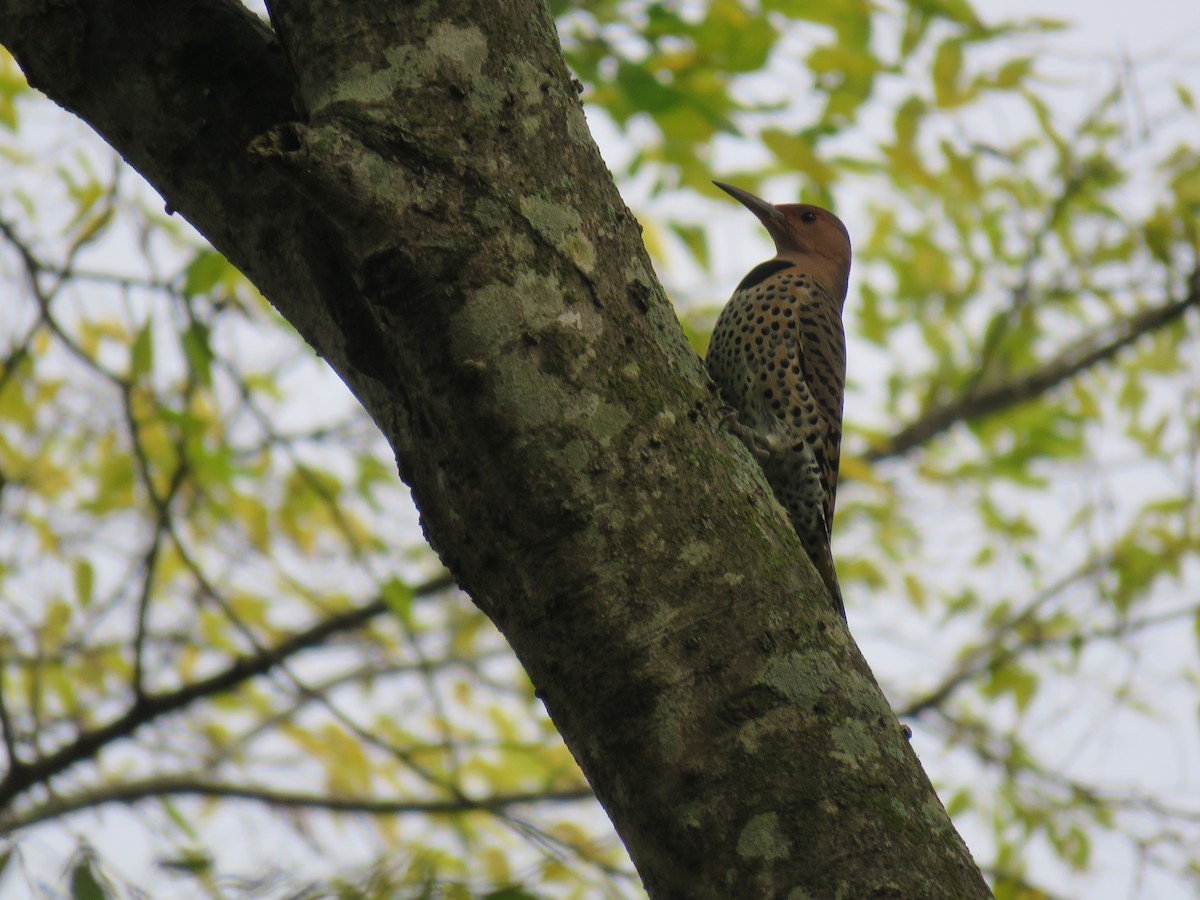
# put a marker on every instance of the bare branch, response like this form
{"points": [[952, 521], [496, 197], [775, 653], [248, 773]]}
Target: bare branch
{"points": [[6, 727], [198, 786], [151, 707], [1098, 347]]}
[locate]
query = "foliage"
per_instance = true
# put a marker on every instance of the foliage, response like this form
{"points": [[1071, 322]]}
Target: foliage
{"points": [[214, 591]]}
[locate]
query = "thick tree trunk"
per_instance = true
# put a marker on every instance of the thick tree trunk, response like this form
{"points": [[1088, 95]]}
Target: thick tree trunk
{"points": [[414, 187]]}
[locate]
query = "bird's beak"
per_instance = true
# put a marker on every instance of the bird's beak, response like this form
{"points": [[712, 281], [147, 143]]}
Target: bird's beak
{"points": [[767, 213]]}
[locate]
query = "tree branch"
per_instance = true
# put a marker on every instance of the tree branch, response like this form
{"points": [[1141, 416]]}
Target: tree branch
{"points": [[151, 707], [130, 792], [999, 645], [1086, 353]]}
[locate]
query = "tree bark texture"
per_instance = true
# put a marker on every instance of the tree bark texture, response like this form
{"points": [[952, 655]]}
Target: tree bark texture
{"points": [[414, 187]]}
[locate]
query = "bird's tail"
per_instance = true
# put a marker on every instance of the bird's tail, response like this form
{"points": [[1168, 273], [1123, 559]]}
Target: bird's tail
{"points": [[823, 560]]}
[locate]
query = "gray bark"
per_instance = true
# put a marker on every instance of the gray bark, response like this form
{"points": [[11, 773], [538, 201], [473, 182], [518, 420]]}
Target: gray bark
{"points": [[414, 187]]}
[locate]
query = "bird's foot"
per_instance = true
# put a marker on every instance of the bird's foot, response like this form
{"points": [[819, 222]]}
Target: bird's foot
{"points": [[744, 433]]}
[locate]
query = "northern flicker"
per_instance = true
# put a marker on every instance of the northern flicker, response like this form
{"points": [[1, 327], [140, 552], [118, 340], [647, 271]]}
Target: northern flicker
{"points": [[778, 354]]}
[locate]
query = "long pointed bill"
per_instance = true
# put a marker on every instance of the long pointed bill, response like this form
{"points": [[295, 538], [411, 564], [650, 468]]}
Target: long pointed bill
{"points": [[766, 212], [769, 214]]}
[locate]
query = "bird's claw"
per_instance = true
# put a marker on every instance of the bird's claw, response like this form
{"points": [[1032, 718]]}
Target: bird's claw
{"points": [[744, 433]]}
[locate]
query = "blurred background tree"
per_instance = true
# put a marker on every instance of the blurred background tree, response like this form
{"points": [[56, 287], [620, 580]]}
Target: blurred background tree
{"points": [[230, 665]]}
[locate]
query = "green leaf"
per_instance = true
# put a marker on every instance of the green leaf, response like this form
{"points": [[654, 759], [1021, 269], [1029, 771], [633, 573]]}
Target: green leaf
{"points": [[84, 884], [12, 87], [254, 518], [1159, 234], [732, 39], [798, 155], [947, 67], [198, 353], [204, 273], [695, 239], [960, 801], [842, 61], [1013, 73], [1186, 186], [1186, 99], [372, 472], [85, 580], [869, 316], [1136, 567], [181, 822], [192, 862], [1045, 117], [908, 120], [15, 405], [398, 597], [1073, 846], [141, 354], [1014, 680], [957, 11], [916, 25], [1047, 25], [646, 92]]}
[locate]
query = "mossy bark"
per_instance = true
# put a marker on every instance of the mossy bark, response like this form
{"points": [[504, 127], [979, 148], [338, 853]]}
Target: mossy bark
{"points": [[414, 187]]}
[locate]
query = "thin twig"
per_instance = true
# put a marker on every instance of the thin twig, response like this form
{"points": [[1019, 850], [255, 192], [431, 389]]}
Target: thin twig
{"points": [[1078, 357], [88, 743], [130, 792]]}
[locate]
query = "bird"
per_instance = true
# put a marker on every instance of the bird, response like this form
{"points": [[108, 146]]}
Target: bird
{"points": [[778, 356]]}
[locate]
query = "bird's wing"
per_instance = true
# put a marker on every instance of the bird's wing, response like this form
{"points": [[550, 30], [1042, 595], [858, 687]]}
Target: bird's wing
{"points": [[822, 345]]}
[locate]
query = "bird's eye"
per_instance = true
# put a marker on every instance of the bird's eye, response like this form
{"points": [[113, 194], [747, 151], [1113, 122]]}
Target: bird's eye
{"points": [[808, 217]]}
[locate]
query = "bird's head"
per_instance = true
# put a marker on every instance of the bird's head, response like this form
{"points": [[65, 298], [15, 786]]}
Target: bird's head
{"points": [[807, 234]]}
